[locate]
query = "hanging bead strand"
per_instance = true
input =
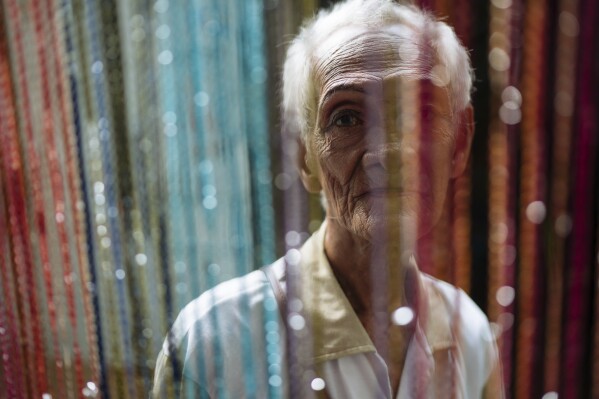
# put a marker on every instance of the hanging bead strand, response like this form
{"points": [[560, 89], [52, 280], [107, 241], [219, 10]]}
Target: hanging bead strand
{"points": [[578, 297], [532, 198], [27, 287], [111, 197], [560, 221], [57, 180], [83, 219], [502, 251], [14, 360]]}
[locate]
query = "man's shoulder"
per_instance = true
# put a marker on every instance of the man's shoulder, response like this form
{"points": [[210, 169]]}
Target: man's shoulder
{"points": [[474, 335], [219, 307], [211, 331], [460, 306]]}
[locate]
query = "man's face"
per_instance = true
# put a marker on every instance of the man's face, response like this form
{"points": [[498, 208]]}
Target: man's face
{"points": [[383, 143]]}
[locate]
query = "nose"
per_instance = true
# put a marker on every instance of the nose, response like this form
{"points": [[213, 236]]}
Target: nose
{"points": [[387, 150]]}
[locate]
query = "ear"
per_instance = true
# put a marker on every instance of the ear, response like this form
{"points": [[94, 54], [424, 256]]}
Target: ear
{"points": [[307, 169], [463, 142]]}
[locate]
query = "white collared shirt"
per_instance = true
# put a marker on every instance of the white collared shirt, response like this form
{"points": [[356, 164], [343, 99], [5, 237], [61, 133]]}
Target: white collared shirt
{"points": [[224, 344]]}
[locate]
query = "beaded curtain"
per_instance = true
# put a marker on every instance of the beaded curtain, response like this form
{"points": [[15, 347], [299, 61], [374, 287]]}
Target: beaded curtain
{"points": [[141, 163], [126, 184]]}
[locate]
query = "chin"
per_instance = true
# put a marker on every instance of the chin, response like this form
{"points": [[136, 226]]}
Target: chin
{"points": [[407, 222], [389, 226]]}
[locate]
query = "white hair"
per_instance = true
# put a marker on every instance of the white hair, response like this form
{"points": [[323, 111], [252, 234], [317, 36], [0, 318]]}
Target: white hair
{"points": [[299, 86]]}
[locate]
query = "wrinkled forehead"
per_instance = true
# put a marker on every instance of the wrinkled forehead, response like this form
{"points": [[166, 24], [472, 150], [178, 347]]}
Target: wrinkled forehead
{"points": [[361, 53]]}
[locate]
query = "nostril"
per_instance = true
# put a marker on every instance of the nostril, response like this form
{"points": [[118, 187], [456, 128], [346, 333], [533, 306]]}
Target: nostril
{"points": [[375, 157], [408, 151], [389, 154]]}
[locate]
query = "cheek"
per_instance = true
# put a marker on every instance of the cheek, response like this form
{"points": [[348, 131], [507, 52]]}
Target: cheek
{"points": [[336, 176], [338, 181], [440, 163], [435, 152], [436, 167], [338, 159]]}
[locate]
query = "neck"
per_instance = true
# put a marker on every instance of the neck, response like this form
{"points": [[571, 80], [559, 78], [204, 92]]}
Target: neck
{"points": [[371, 272]]}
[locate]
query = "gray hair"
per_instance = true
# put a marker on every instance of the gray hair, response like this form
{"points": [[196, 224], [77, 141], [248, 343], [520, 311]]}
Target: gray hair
{"points": [[299, 91]]}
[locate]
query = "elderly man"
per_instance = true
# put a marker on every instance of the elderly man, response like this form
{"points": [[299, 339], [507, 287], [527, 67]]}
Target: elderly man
{"points": [[378, 96]]}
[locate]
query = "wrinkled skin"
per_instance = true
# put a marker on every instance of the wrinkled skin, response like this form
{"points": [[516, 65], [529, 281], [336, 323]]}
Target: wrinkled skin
{"points": [[373, 161], [383, 154]]}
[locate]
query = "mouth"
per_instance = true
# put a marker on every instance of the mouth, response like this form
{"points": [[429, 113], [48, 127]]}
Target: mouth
{"points": [[380, 192]]}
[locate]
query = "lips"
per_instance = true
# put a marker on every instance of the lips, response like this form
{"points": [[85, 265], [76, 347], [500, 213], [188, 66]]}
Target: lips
{"points": [[382, 191], [383, 186]]}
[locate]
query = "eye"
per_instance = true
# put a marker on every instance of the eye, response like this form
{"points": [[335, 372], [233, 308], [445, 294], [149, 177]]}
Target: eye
{"points": [[346, 118]]}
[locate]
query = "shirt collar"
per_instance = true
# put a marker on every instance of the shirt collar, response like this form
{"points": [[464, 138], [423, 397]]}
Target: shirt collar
{"points": [[337, 331]]}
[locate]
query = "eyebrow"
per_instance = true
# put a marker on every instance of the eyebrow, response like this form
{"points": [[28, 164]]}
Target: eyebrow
{"points": [[342, 87]]}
